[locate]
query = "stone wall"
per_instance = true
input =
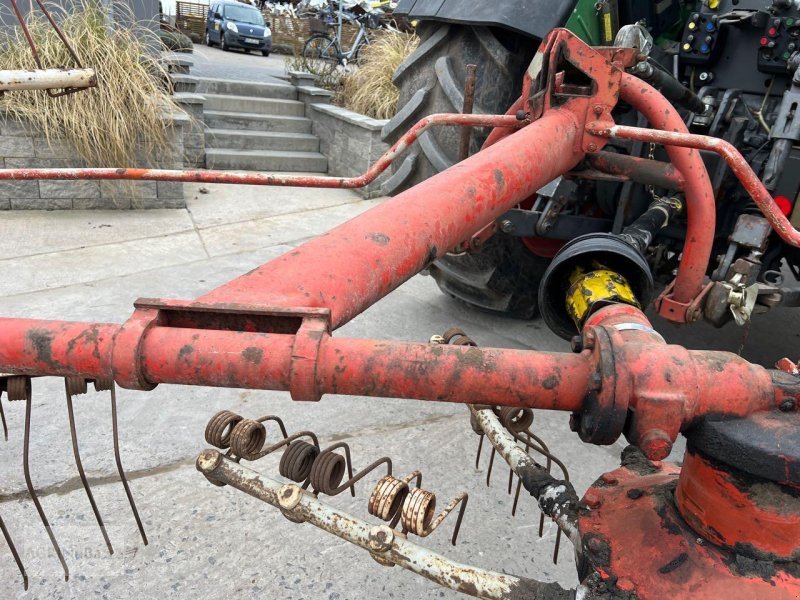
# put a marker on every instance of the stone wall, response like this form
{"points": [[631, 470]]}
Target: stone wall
{"points": [[352, 142], [20, 148]]}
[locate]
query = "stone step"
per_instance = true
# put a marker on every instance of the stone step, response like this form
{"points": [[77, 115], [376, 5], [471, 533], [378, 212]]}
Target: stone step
{"points": [[262, 106], [183, 83], [220, 119], [236, 139], [232, 87], [266, 160]]}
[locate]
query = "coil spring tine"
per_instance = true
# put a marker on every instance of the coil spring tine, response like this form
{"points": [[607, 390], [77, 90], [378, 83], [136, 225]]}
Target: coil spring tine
{"points": [[419, 507], [388, 497], [19, 388], [3, 418], [77, 385], [324, 473], [516, 497], [115, 433], [298, 459], [14, 553], [220, 427]]}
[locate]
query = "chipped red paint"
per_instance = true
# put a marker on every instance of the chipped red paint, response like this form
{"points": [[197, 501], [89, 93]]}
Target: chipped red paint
{"points": [[635, 539], [738, 512]]}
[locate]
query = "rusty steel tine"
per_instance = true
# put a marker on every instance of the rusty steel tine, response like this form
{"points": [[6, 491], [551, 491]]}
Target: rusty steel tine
{"points": [[278, 420], [115, 433], [558, 545], [14, 553], [516, 496], [3, 417], [78, 463], [27, 471], [419, 509], [353, 479], [467, 107], [510, 479], [480, 447], [489, 470], [285, 442]]}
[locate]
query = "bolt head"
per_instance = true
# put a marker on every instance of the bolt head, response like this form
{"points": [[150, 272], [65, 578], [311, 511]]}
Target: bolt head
{"points": [[381, 538], [289, 496], [655, 444], [788, 405], [506, 226], [576, 343], [598, 110], [592, 147]]}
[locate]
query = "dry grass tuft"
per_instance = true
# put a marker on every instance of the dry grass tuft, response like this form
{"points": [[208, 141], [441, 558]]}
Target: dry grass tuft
{"points": [[118, 123], [369, 89]]}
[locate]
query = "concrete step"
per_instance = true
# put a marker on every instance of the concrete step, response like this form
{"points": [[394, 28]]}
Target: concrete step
{"points": [[220, 119], [232, 87], [236, 139], [183, 83], [262, 106], [266, 160]]}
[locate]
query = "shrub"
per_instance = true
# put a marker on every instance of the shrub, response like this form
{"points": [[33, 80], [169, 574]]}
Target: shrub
{"points": [[176, 41], [108, 124], [369, 89]]}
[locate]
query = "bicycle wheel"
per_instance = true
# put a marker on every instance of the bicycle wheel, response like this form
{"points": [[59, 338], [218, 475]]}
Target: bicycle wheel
{"points": [[320, 55]]}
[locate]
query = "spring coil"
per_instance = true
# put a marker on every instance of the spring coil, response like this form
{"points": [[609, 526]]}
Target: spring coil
{"points": [[328, 471], [515, 419], [75, 386], [18, 388], [456, 337], [219, 428], [419, 509], [298, 460], [247, 438], [388, 496], [103, 384]]}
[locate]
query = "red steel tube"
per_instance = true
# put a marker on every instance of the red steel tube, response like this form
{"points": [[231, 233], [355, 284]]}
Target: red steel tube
{"points": [[700, 206], [749, 180], [35, 347], [194, 176], [369, 368], [354, 265], [633, 168]]}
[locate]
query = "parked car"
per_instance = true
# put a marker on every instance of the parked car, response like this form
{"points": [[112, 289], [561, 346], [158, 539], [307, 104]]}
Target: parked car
{"points": [[234, 24]]}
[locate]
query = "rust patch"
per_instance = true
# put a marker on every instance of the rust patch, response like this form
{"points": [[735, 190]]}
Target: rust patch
{"points": [[42, 342], [184, 352], [253, 355], [379, 238], [550, 382]]}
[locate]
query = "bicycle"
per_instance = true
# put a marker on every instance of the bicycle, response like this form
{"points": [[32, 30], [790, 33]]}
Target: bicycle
{"points": [[322, 52]]}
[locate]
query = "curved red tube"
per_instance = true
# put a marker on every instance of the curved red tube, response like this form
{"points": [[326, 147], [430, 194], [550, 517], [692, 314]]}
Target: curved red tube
{"points": [[700, 206]]}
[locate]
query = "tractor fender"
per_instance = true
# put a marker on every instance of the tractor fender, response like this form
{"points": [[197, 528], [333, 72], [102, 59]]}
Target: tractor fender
{"points": [[534, 19]]}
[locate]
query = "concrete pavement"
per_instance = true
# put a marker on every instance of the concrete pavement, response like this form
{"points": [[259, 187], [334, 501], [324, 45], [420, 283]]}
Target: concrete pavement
{"points": [[215, 542]]}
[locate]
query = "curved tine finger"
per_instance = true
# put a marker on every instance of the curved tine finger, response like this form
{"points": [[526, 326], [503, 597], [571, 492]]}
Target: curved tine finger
{"points": [[286, 441], [120, 470], [510, 478], [278, 420], [3, 418], [558, 545], [478, 455], [351, 483], [516, 498], [412, 475], [489, 470], [73, 432], [14, 553], [29, 483], [546, 454], [460, 498]]}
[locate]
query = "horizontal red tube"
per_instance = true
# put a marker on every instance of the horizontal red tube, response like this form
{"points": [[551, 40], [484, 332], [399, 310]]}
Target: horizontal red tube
{"points": [[736, 162], [700, 207], [354, 265], [195, 176], [32, 347], [369, 368]]}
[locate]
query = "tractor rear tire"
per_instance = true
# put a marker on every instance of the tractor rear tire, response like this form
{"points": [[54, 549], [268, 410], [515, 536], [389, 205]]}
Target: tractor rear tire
{"points": [[504, 277]]}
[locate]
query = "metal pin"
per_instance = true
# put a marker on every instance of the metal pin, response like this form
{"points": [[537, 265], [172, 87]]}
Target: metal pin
{"points": [[100, 385], [13, 549], [3, 417], [491, 464], [19, 388], [480, 447], [77, 385]]}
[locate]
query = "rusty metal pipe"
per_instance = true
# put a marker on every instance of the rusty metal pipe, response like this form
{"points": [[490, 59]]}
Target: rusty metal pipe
{"points": [[641, 170], [197, 176], [384, 544], [747, 177], [700, 205]]}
